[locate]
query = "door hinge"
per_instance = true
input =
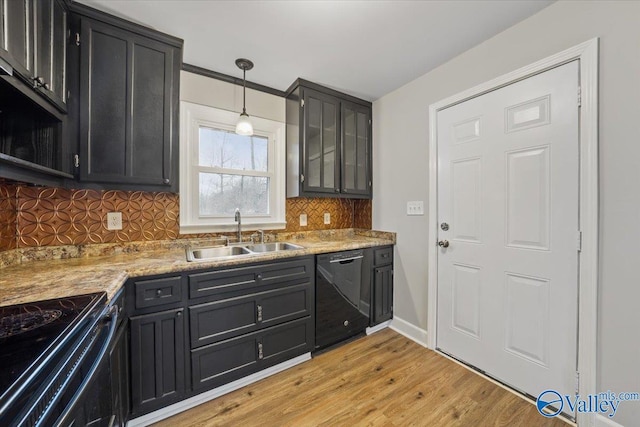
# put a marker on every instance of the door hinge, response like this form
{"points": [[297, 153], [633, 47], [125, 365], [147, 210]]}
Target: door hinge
{"points": [[77, 39], [369, 183], [302, 103], [579, 241], [577, 382], [301, 177], [369, 121], [76, 161], [260, 351], [579, 96]]}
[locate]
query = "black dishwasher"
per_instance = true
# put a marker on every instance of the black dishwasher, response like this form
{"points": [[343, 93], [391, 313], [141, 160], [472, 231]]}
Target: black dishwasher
{"points": [[342, 297]]}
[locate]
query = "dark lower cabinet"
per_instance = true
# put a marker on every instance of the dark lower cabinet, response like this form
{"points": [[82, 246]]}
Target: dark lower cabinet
{"points": [[383, 294], [381, 284], [229, 360], [157, 360], [235, 322]]}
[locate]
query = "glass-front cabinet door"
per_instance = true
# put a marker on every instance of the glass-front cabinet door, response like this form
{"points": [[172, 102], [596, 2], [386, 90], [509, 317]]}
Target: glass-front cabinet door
{"points": [[356, 149], [322, 154]]}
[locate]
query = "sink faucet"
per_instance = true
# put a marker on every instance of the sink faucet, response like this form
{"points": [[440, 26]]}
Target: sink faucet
{"points": [[238, 219]]}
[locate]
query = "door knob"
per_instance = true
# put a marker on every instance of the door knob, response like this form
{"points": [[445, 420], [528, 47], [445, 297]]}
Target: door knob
{"points": [[443, 243]]}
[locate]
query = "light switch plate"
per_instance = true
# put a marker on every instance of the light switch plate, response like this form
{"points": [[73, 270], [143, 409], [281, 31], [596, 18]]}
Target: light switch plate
{"points": [[303, 220], [415, 207], [114, 221], [327, 218]]}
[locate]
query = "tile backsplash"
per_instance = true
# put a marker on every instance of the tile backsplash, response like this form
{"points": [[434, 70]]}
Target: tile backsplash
{"points": [[43, 216]]}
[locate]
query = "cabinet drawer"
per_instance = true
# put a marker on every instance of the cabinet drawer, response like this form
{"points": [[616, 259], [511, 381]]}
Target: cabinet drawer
{"points": [[223, 362], [215, 321], [231, 282], [383, 255], [154, 292]]}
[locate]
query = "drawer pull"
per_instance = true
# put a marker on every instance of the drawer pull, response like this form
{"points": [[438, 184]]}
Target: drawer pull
{"points": [[259, 276], [259, 313], [260, 354], [159, 292]]}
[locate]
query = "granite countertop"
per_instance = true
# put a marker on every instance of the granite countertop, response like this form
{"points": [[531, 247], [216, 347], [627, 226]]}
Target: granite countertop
{"points": [[65, 271]]}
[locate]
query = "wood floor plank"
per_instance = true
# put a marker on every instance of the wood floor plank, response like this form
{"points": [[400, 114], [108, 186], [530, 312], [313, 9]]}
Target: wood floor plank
{"points": [[384, 379]]}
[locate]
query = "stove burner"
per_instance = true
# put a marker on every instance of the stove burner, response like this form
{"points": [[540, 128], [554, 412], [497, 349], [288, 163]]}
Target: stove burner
{"points": [[24, 322]]}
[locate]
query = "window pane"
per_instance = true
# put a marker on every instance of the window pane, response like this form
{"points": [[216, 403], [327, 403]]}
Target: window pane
{"points": [[224, 149], [221, 194]]}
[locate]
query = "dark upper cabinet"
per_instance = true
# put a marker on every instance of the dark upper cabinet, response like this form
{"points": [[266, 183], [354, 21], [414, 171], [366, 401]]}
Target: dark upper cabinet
{"points": [[128, 107], [356, 149], [33, 42], [17, 36], [328, 143], [321, 149], [34, 133], [50, 51]]}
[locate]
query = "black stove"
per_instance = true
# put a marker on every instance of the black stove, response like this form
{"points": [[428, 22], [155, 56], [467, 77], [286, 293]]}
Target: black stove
{"points": [[39, 343]]}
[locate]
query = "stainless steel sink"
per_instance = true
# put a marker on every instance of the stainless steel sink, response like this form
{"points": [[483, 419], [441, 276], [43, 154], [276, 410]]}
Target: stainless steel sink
{"points": [[202, 254], [225, 252], [270, 247]]}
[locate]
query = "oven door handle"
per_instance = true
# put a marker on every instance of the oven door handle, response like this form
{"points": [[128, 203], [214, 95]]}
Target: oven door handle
{"points": [[344, 260], [112, 316]]}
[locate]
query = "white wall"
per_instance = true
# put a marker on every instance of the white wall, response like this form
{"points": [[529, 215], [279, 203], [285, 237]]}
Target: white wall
{"points": [[401, 158], [216, 93]]}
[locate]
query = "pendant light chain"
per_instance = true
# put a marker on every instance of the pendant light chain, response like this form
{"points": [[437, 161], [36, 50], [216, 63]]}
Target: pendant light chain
{"points": [[244, 90]]}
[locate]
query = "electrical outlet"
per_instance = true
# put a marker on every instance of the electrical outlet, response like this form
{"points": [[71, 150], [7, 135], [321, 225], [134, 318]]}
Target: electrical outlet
{"points": [[415, 207], [114, 221], [327, 218], [303, 220]]}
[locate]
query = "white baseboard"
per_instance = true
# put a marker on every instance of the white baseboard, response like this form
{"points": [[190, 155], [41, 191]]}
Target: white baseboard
{"points": [[604, 421], [409, 330], [378, 327], [182, 406]]}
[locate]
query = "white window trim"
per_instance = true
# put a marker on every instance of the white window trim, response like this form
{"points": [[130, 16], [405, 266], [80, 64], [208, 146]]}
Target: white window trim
{"points": [[192, 116]]}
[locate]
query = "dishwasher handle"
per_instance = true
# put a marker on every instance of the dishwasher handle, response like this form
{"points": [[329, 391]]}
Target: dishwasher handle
{"points": [[345, 260]]}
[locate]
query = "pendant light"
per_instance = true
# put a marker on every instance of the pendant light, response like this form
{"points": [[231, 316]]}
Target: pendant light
{"points": [[244, 126]]}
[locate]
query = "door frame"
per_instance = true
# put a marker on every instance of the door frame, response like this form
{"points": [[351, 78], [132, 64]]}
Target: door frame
{"points": [[587, 54]]}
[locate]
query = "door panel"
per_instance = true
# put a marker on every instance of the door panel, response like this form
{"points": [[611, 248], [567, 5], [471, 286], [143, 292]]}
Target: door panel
{"points": [[355, 148], [321, 118], [508, 188]]}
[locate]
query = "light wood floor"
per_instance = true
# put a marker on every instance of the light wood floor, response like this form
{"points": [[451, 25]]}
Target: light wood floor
{"points": [[384, 379]]}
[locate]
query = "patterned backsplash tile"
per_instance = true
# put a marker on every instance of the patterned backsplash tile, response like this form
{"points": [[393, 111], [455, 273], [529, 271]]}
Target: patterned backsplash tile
{"points": [[41, 216], [8, 217]]}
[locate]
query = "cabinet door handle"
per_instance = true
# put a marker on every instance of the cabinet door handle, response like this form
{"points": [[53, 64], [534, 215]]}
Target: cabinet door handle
{"points": [[259, 276], [260, 353], [166, 180], [259, 313], [178, 314]]}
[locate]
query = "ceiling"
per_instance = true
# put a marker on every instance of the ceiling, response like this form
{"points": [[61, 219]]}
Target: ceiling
{"points": [[365, 48]]}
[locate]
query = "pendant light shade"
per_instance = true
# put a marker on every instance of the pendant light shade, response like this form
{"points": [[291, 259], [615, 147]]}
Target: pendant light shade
{"points": [[243, 125]]}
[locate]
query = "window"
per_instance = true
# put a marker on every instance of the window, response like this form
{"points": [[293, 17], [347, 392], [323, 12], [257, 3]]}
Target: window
{"points": [[221, 171]]}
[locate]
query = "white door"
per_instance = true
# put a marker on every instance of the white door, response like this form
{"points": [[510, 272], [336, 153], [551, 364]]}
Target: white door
{"points": [[508, 190]]}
